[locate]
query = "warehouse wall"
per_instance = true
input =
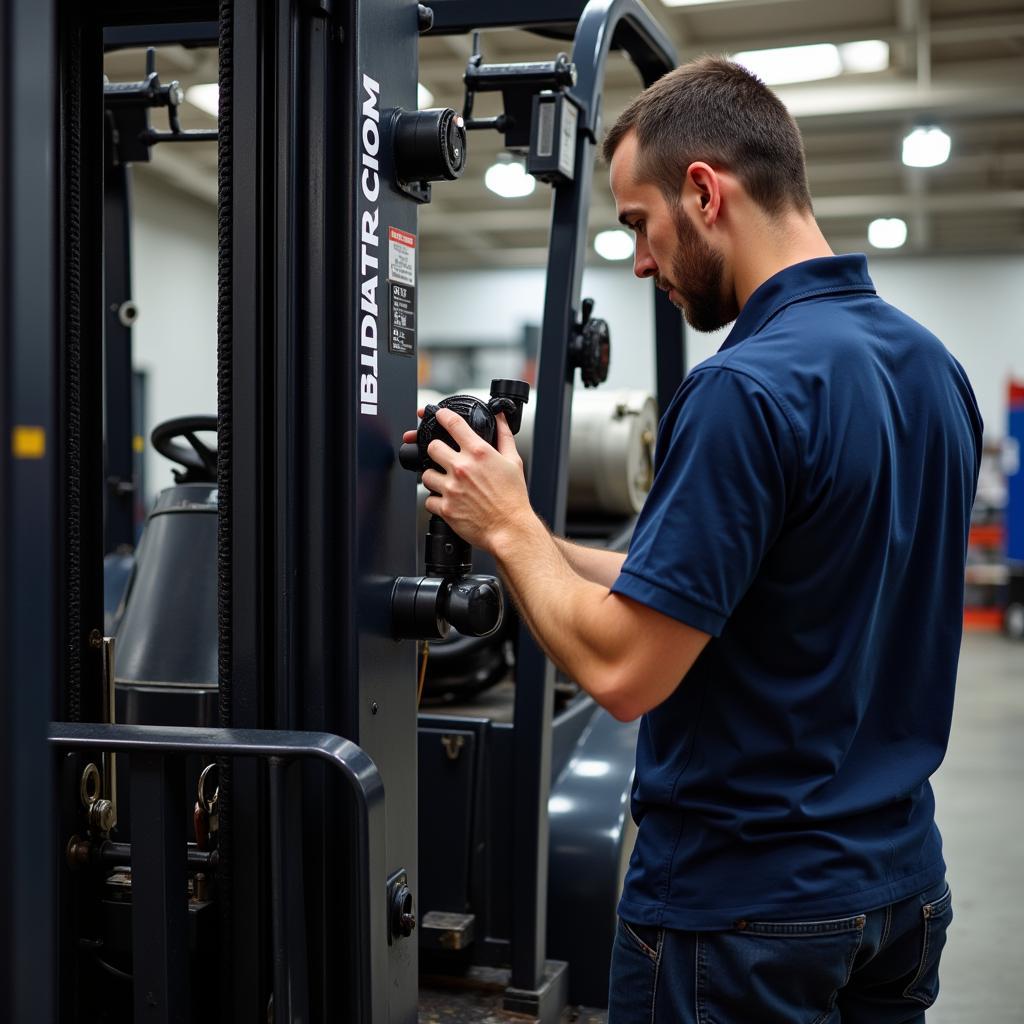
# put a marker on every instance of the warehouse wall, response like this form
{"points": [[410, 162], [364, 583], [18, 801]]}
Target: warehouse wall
{"points": [[975, 305], [174, 278]]}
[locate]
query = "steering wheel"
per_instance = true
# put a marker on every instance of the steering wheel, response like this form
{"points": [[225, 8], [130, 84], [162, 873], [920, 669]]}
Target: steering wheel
{"points": [[198, 459]]}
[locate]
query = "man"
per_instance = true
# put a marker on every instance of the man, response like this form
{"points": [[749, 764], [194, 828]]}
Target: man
{"points": [[788, 617]]}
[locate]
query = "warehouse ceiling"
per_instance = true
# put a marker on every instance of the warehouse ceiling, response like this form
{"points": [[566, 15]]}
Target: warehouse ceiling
{"points": [[958, 64]]}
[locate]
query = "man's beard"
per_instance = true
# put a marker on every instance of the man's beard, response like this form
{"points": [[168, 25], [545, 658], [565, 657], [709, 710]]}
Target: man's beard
{"points": [[705, 303]]}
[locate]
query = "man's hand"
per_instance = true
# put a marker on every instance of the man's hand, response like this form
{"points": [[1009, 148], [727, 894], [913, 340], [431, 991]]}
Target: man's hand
{"points": [[627, 656], [482, 492]]}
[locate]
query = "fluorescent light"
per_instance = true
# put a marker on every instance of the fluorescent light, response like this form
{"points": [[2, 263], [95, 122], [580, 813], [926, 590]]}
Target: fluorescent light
{"points": [[424, 97], [614, 245], [887, 232], [864, 56], [926, 147], [205, 97], [788, 64], [509, 180]]}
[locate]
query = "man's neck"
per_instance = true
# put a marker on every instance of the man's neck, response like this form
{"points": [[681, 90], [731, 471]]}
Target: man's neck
{"points": [[783, 241]]}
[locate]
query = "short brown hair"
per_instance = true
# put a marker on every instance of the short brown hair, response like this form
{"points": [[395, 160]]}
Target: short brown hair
{"points": [[716, 111]]}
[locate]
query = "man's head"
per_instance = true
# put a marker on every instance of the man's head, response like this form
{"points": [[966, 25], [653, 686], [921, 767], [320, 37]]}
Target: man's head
{"points": [[704, 156]]}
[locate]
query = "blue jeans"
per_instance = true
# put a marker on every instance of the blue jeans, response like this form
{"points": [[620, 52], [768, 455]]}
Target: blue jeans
{"points": [[880, 967]]}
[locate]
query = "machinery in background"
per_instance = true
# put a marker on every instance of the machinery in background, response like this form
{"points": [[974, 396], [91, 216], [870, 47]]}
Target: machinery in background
{"points": [[286, 882], [1013, 615], [129, 139]]}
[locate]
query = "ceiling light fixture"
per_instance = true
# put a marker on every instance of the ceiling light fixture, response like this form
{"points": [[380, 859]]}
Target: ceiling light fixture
{"points": [[205, 97], [887, 232], [864, 56], [614, 245], [785, 65], [926, 147], [509, 180]]}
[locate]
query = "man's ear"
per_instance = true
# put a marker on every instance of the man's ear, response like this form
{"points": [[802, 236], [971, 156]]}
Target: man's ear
{"points": [[702, 192]]}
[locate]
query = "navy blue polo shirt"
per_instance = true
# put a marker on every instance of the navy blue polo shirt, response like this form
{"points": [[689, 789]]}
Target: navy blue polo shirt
{"points": [[811, 500]]}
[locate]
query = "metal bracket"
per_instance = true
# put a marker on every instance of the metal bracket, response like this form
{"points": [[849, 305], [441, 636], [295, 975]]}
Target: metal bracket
{"points": [[130, 136], [518, 85]]}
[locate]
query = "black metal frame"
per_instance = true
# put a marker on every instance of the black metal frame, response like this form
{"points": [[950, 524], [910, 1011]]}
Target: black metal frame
{"points": [[307, 519], [298, 512], [30, 526], [158, 875]]}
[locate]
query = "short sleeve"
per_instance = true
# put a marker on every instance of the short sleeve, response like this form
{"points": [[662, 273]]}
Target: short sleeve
{"points": [[726, 460]]}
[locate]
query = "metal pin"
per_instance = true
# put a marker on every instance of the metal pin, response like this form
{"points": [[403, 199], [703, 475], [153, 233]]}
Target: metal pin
{"points": [[109, 703]]}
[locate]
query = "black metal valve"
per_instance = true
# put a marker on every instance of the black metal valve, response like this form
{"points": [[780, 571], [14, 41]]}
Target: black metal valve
{"points": [[430, 145], [507, 396], [426, 607], [590, 347]]}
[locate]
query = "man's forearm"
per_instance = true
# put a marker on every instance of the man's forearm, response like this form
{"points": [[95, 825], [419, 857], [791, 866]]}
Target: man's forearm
{"points": [[627, 656], [560, 605], [595, 564]]}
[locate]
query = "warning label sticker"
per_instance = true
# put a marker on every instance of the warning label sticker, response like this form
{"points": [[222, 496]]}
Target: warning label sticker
{"points": [[403, 320], [402, 257]]}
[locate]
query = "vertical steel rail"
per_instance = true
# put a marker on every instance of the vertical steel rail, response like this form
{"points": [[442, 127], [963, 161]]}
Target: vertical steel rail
{"points": [[245, 513], [653, 54], [30, 521], [283, 145], [159, 895], [287, 893]]}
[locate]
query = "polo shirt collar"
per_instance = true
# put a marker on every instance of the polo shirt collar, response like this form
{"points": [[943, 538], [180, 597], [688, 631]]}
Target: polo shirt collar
{"points": [[821, 276]]}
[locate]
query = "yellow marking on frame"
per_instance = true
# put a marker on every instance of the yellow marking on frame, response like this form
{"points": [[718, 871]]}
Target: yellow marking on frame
{"points": [[138, 444], [28, 442]]}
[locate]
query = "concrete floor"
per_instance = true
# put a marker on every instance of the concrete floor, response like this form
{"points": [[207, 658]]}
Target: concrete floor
{"points": [[979, 793]]}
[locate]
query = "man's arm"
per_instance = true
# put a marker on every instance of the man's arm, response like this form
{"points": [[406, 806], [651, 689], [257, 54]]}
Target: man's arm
{"points": [[627, 656], [595, 564]]}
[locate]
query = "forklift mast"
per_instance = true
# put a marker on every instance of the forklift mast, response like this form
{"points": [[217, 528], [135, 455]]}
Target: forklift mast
{"points": [[324, 161]]}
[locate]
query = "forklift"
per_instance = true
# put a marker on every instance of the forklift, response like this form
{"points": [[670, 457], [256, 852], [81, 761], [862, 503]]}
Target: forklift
{"points": [[235, 796]]}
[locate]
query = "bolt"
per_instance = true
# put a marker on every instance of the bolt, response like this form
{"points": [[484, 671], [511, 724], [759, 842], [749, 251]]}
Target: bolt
{"points": [[77, 852], [403, 916], [102, 816], [374, 707]]}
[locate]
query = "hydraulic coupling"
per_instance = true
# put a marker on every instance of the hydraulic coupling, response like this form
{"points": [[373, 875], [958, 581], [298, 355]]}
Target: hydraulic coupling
{"points": [[426, 607]]}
